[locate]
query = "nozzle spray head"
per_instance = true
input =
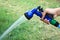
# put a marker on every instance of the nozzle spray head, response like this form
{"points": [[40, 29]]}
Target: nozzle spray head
{"points": [[29, 14]]}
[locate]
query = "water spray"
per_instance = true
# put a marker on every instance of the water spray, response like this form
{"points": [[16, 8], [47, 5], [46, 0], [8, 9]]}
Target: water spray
{"points": [[38, 11], [13, 26]]}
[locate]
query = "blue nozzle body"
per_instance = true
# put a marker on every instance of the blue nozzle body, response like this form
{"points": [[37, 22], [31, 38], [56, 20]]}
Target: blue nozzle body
{"points": [[29, 14]]}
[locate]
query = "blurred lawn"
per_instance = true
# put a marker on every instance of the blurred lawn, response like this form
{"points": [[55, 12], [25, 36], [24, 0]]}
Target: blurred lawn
{"points": [[11, 10]]}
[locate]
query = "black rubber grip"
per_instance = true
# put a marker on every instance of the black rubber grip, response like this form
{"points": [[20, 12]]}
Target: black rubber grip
{"points": [[56, 24]]}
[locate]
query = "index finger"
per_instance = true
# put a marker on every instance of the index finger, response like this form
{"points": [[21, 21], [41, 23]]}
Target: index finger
{"points": [[43, 14]]}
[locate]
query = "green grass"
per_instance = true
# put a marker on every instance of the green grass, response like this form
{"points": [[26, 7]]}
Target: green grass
{"points": [[11, 10]]}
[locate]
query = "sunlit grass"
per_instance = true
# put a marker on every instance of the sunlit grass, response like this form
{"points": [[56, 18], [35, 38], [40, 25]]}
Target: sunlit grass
{"points": [[35, 29]]}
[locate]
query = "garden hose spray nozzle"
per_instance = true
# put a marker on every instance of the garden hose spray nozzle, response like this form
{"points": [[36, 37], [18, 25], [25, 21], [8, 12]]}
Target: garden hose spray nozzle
{"points": [[38, 11]]}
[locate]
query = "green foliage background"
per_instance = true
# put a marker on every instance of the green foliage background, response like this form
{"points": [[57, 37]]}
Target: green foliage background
{"points": [[35, 29]]}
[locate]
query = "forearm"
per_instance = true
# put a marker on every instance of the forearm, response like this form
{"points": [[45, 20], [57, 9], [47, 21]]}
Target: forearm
{"points": [[58, 11]]}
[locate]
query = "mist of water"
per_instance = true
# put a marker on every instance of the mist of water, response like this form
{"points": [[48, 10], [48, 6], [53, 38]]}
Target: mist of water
{"points": [[13, 26]]}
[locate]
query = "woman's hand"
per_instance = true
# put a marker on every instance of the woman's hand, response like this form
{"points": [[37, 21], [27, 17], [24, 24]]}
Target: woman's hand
{"points": [[54, 12]]}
